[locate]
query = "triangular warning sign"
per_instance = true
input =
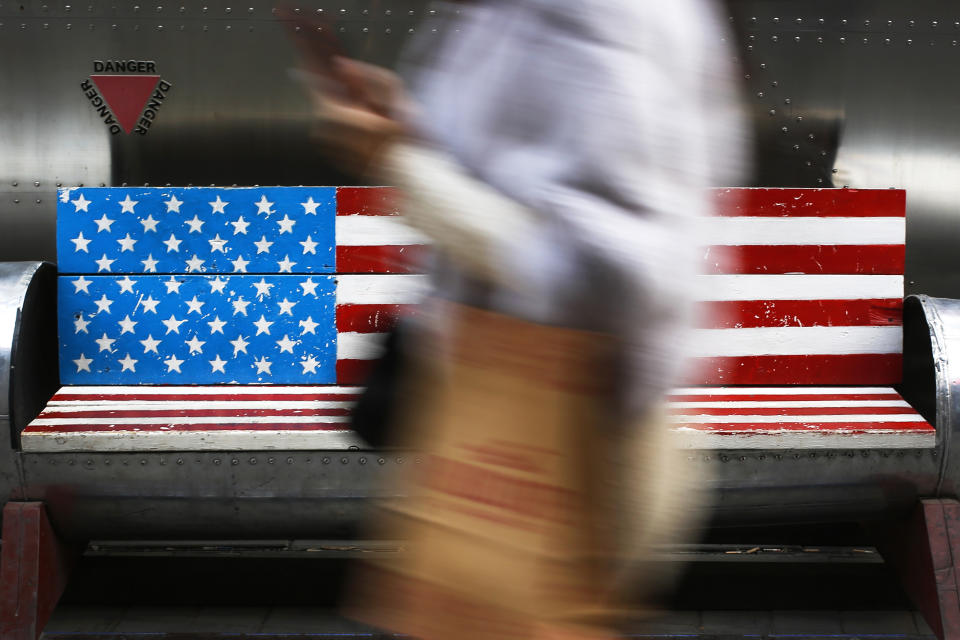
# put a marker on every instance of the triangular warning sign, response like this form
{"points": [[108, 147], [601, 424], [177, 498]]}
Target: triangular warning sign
{"points": [[126, 96]]}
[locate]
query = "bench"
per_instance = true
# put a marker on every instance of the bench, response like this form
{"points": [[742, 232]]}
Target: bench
{"points": [[804, 344]]}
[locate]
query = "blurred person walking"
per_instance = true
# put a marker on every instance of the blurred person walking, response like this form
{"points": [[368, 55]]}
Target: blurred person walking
{"points": [[557, 153]]}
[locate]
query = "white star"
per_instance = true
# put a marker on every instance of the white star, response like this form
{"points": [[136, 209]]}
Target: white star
{"points": [[128, 364], [103, 264], [216, 325], [80, 324], [263, 365], [308, 326], [149, 265], [240, 306], [285, 265], [81, 243], [310, 207], [309, 286], [81, 203], [263, 287], [103, 304], [127, 325], [217, 285], [286, 344], [263, 246], [126, 285], [217, 244], [126, 243], [285, 307], [173, 286], [149, 224], [310, 364], [195, 225], [81, 284], [127, 205], [172, 324], [309, 246], [172, 243], [150, 344], [263, 206], [195, 305], [173, 204], [217, 364], [149, 304], [239, 345], [263, 325], [194, 264], [240, 226], [105, 343], [286, 225], [196, 346], [103, 224], [173, 364], [83, 363], [218, 205], [240, 265]]}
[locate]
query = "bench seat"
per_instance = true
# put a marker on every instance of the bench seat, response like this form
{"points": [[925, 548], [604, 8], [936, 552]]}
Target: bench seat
{"points": [[251, 417]]}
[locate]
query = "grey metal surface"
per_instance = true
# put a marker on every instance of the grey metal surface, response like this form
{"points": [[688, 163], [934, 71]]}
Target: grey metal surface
{"points": [[855, 94], [932, 337]]}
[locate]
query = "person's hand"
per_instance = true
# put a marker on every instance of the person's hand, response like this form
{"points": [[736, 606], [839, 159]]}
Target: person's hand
{"points": [[357, 110]]}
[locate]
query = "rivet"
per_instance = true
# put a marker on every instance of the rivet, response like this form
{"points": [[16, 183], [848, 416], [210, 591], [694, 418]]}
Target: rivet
{"points": [[179, 460], [365, 30], [912, 23], [249, 9], [227, 28], [956, 25], [15, 183], [784, 129], [865, 41], [344, 460], [934, 24], [182, 9], [46, 25], [843, 22], [143, 462], [886, 41], [387, 30], [808, 163], [362, 461], [751, 38], [399, 460], [234, 461], [819, 179], [799, 118], [724, 458], [776, 20], [159, 27], [774, 83], [59, 184], [136, 8], [159, 8], [821, 21], [103, 184], [204, 9], [289, 460], [759, 94], [833, 170], [114, 27], [796, 147], [216, 461], [72, 462], [772, 112], [228, 10], [411, 12], [16, 201], [89, 463], [270, 460], [810, 136], [325, 460], [796, 38], [69, 26], [749, 47], [786, 101], [106, 462], [774, 38], [753, 19], [799, 21], [252, 461], [763, 65], [909, 41], [38, 200], [843, 40], [866, 23], [381, 461], [823, 153]]}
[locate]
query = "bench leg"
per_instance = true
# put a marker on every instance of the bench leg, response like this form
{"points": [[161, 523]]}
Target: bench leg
{"points": [[34, 566], [925, 551]]}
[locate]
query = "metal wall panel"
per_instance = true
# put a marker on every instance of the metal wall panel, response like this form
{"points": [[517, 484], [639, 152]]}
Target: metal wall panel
{"points": [[856, 94]]}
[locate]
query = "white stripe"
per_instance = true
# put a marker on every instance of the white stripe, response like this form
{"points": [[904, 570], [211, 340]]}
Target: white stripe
{"points": [[359, 346], [353, 231], [872, 418], [381, 289], [799, 287], [170, 420], [224, 390], [190, 440], [796, 341], [175, 405], [776, 391], [780, 440], [757, 230], [787, 404]]}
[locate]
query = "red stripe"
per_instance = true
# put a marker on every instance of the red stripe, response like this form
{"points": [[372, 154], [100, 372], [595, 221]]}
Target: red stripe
{"points": [[826, 428], [189, 413], [253, 426], [788, 411], [720, 397], [872, 259], [400, 258], [736, 314], [869, 368], [201, 397], [371, 318], [353, 371], [367, 201], [848, 203]]}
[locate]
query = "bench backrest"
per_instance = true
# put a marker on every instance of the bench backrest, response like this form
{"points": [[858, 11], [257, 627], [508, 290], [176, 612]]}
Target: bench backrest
{"points": [[804, 285]]}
